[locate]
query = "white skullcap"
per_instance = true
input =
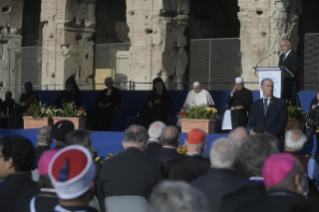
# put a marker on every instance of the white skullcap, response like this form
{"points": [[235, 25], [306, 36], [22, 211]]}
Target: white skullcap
{"points": [[155, 130], [239, 79], [196, 84]]}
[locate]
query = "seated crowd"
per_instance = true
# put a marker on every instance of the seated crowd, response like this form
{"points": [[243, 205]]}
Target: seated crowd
{"points": [[243, 172]]}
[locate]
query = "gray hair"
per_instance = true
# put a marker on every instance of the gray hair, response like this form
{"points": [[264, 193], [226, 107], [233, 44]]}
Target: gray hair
{"points": [[156, 129], [223, 153], [136, 134], [108, 79], [44, 135], [177, 196], [294, 141], [238, 135], [79, 137], [288, 41], [254, 152], [289, 182]]}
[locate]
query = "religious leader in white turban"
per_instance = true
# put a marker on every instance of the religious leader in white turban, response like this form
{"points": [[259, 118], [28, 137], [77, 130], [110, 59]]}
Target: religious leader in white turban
{"points": [[238, 104], [196, 97]]}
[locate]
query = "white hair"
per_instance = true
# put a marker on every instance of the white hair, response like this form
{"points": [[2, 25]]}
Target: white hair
{"points": [[238, 135], [44, 135], [156, 129], [223, 153], [196, 83], [294, 141]]}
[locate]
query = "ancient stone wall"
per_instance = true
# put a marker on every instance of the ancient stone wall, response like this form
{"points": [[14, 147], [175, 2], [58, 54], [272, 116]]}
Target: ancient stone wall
{"points": [[67, 40], [157, 40], [264, 24]]}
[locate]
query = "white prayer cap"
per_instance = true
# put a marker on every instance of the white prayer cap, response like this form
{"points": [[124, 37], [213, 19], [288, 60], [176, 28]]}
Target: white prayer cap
{"points": [[239, 79], [196, 84]]}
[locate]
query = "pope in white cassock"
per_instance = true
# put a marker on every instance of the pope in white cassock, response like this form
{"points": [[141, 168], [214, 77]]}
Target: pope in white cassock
{"points": [[198, 97]]}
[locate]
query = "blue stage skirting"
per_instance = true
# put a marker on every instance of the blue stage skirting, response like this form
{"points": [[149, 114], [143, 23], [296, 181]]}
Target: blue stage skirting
{"points": [[110, 142]]}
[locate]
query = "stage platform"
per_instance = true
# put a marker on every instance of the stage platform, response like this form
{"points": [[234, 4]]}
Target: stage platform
{"points": [[110, 142]]}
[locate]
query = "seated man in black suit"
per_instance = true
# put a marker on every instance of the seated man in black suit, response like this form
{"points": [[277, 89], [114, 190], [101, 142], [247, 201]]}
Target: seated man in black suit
{"points": [[130, 172], [220, 179], [8, 103], [170, 140], [193, 165], [16, 162], [44, 142], [155, 132], [253, 154], [270, 112], [285, 184]]}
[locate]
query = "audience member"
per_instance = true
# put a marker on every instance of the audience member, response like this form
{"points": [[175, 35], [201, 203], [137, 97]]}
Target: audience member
{"points": [[130, 172], [72, 174], [16, 161], [47, 199], [59, 131], [170, 140], [294, 142], [108, 102], [157, 106], [285, 184], [220, 179], [238, 135], [44, 142], [177, 197], [71, 94], [8, 103], [155, 132], [193, 165], [253, 154], [257, 130]]}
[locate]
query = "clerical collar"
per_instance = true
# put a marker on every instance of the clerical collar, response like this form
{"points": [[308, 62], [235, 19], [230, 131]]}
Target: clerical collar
{"points": [[256, 179], [169, 147], [192, 153], [51, 190], [152, 140], [43, 144]]}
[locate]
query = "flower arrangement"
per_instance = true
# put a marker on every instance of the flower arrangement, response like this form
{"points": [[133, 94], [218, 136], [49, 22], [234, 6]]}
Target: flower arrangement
{"points": [[110, 155], [296, 112], [39, 110], [199, 112], [69, 110], [182, 149]]}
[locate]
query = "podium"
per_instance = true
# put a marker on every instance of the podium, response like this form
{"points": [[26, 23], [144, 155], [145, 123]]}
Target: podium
{"points": [[283, 80]]}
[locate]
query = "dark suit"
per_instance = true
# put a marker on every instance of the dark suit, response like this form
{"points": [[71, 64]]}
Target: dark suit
{"points": [[252, 191], [216, 183], [187, 168], [277, 203], [38, 152], [164, 155], [274, 121], [153, 146], [129, 173], [292, 64], [244, 97], [16, 188]]}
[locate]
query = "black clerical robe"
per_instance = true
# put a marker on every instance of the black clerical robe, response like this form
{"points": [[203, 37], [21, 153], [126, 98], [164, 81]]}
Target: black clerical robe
{"points": [[74, 95], [244, 97]]}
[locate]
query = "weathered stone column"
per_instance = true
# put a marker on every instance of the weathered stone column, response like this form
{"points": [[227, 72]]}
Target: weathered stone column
{"points": [[11, 12], [263, 24], [157, 40], [67, 46]]}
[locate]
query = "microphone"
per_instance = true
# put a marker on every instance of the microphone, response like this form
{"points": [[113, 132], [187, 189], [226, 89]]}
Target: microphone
{"points": [[266, 58]]}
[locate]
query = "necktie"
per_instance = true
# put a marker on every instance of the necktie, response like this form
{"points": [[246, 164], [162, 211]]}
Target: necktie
{"points": [[284, 57], [265, 106]]}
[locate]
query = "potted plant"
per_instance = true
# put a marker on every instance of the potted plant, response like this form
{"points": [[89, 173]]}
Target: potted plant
{"points": [[37, 115], [199, 117], [296, 118], [72, 113]]}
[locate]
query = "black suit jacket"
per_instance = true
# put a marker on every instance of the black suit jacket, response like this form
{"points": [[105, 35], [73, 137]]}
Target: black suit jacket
{"points": [[278, 203], [115, 98], [129, 173], [187, 168], [153, 147], [216, 183], [16, 189], [252, 191], [164, 155], [275, 120], [38, 152], [292, 64]]}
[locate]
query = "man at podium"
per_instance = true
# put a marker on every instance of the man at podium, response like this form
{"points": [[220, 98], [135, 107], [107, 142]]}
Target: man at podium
{"points": [[289, 59]]}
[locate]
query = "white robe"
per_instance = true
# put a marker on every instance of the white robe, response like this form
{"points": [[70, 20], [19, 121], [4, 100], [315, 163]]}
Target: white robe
{"points": [[202, 98]]}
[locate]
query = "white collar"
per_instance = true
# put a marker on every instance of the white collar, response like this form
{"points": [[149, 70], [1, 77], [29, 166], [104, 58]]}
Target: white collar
{"points": [[268, 98], [153, 140], [192, 153], [51, 190], [286, 55], [169, 147]]}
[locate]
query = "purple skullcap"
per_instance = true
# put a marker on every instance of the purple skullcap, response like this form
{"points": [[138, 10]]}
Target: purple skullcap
{"points": [[276, 168]]}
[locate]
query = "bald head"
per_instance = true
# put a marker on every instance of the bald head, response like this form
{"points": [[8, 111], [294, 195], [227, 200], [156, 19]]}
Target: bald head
{"points": [[238, 135], [294, 140], [170, 136]]}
